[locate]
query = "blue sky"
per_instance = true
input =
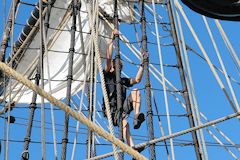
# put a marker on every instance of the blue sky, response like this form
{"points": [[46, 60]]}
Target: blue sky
{"points": [[210, 98]]}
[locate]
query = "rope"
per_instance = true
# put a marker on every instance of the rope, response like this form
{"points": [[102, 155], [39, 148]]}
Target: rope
{"points": [[219, 131], [12, 14], [157, 140], [18, 52], [78, 116], [147, 79], [163, 80], [106, 101], [221, 144], [229, 46], [184, 105], [196, 53], [41, 69], [235, 108], [193, 100], [118, 76], [94, 110], [222, 119], [4, 13], [229, 139], [137, 53], [221, 62], [31, 67], [93, 147], [69, 77], [51, 2], [84, 82], [160, 125], [7, 26]]}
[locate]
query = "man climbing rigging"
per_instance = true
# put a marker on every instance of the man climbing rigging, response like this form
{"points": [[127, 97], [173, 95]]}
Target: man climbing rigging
{"points": [[130, 103]]}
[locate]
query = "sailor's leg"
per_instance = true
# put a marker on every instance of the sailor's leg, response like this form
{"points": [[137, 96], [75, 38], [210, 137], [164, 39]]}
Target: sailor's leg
{"points": [[126, 133], [136, 103], [136, 100]]}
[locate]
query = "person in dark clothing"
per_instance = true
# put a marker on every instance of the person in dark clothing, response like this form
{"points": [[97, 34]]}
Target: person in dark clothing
{"points": [[129, 103]]}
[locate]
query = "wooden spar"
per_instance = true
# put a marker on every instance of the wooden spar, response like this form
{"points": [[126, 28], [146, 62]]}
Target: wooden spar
{"points": [[147, 77], [69, 78], [118, 77], [183, 80]]}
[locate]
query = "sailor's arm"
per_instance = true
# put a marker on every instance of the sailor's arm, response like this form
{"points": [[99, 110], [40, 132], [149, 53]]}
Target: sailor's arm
{"points": [[139, 75], [108, 64]]}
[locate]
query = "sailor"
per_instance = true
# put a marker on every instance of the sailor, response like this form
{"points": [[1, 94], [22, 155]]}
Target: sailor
{"points": [[130, 103]]}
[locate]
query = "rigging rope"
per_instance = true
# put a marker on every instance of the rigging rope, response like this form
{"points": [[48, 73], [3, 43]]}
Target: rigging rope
{"points": [[78, 116], [221, 62], [45, 31], [157, 140], [163, 81], [235, 108], [69, 76], [221, 133], [160, 124], [12, 14], [94, 110], [106, 101], [191, 89], [85, 78], [182, 104], [144, 51], [41, 71], [229, 46], [228, 150]]}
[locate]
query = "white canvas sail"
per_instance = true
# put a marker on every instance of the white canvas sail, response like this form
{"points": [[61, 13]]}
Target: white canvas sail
{"points": [[58, 45]]}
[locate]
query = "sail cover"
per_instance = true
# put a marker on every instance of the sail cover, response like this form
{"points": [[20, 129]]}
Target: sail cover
{"points": [[56, 59], [219, 9]]}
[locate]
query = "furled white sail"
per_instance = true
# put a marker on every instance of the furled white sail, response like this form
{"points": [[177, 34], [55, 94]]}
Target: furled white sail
{"points": [[58, 46]]}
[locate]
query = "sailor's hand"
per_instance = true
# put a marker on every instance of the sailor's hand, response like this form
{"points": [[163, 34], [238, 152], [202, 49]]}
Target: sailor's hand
{"points": [[144, 54], [116, 32]]}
